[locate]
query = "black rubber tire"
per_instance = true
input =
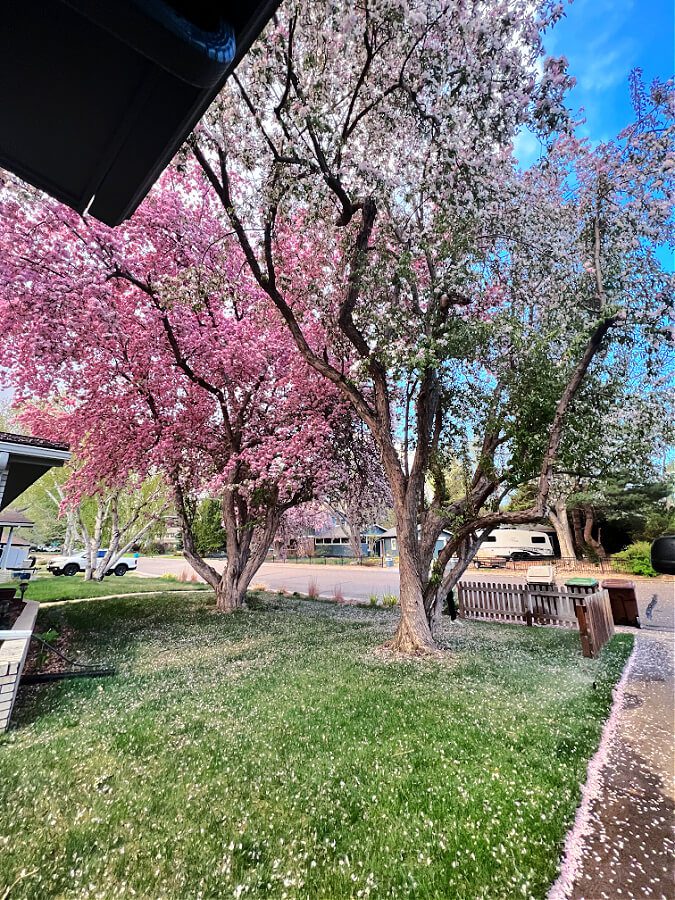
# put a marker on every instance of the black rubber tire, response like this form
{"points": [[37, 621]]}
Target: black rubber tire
{"points": [[57, 573], [121, 569], [70, 569]]}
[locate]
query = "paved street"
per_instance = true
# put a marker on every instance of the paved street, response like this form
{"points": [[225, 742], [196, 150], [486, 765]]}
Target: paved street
{"points": [[355, 582], [359, 583]]}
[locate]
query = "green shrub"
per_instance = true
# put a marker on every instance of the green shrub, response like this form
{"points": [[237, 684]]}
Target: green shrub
{"points": [[155, 548], [635, 559]]}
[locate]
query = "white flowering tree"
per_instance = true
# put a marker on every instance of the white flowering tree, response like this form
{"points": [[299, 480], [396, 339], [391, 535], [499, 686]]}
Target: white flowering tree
{"points": [[620, 435], [359, 495], [363, 157]]}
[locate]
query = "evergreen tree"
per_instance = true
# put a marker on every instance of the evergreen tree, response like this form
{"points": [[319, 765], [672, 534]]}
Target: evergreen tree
{"points": [[208, 528]]}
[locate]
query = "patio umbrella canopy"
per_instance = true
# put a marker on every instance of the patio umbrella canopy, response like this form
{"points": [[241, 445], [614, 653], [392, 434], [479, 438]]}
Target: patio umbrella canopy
{"points": [[95, 98]]}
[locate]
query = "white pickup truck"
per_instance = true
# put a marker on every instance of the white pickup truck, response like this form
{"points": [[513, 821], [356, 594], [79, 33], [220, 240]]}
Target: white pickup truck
{"points": [[71, 565]]}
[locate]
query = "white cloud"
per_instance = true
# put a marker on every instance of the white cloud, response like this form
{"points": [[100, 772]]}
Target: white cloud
{"points": [[605, 68]]}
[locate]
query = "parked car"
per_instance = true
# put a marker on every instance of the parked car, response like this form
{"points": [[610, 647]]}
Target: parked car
{"points": [[71, 565]]}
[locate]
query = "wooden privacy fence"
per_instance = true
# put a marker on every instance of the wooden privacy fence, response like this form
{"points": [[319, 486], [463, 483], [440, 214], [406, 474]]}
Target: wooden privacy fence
{"points": [[540, 605], [596, 623]]}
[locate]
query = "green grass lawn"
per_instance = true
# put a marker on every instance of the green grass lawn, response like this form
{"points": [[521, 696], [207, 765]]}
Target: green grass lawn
{"points": [[272, 753], [51, 587]]}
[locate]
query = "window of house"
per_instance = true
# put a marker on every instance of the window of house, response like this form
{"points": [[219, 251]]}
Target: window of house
{"points": [[393, 543], [538, 539]]}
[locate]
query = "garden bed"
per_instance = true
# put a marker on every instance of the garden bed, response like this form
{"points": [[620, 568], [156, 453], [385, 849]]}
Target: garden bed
{"points": [[14, 609], [273, 753]]}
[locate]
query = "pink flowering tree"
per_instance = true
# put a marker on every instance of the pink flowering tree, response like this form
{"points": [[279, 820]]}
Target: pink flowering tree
{"points": [[298, 525], [148, 348], [461, 305]]}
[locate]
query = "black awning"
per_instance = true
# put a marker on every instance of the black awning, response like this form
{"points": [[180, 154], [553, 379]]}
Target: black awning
{"points": [[23, 460], [96, 97]]}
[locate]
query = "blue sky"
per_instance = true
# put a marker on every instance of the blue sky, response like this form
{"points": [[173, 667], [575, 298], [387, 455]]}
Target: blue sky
{"points": [[604, 40]]}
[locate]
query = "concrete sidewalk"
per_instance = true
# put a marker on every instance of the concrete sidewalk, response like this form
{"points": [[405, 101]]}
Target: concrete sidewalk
{"points": [[622, 843]]}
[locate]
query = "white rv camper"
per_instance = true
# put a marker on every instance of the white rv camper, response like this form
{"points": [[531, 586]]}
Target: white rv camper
{"points": [[514, 543]]}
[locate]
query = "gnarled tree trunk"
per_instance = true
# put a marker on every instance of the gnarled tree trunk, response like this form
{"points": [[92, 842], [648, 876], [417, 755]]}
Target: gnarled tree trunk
{"points": [[577, 526], [589, 539], [247, 545], [413, 635], [557, 514], [231, 589]]}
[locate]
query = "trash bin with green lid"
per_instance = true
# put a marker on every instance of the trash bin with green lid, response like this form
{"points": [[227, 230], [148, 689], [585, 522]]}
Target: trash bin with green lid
{"points": [[582, 585], [623, 599]]}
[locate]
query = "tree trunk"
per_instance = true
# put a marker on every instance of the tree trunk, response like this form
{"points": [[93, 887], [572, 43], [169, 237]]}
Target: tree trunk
{"points": [[355, 541], [103, 564], [71, 535], [441, 585], [413, 635], [591, 541], [93, 541], [247, 548], [231, 592], [558, 517], [578, 531]]}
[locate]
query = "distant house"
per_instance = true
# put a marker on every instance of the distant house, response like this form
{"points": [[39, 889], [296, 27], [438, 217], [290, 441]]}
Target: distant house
{"points": [[13, 548], [334, 541], [386, 543], [171, 535]]}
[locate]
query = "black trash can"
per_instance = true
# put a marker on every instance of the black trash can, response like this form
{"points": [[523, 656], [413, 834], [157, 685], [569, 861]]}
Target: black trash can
{"points": [[663, 554], [623, 600]]}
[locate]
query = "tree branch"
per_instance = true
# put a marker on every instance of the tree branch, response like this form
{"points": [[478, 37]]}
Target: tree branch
{"points": [[538, 509]]}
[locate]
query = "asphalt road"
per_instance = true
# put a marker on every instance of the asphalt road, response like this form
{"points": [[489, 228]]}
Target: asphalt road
{"points": [[359, 583]]}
